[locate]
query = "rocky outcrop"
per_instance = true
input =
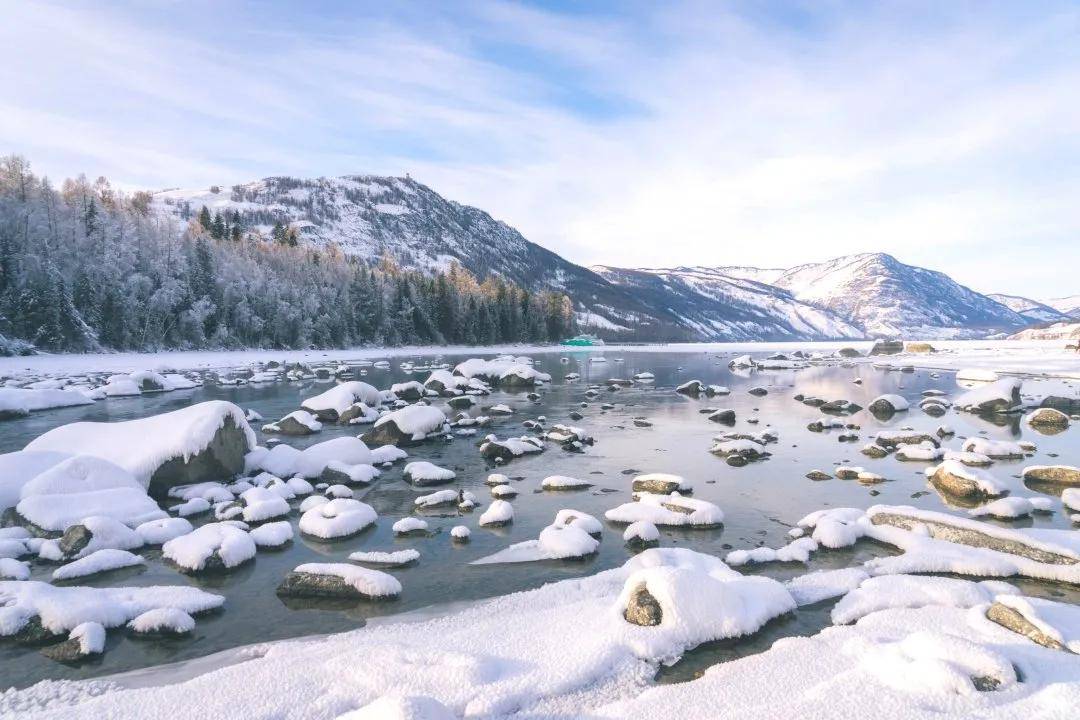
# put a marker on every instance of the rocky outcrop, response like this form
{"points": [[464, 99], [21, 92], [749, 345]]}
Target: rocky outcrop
{"points": [[222, 458], [1056, 474], [887, 347], [1011, 619], [642, 608], [964, 535]]}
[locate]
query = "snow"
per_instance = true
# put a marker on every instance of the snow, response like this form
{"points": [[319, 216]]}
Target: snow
{"points": [[556, 542], [387, 454], [142, 446], [192, 551], [898, 402], [907, 591], [499, 512], [1012, 507], [165, 619], [18, 468], [12, 569], [642, 531], [994, 449], [399, 557], [272, 535], [822, 585], [337, 518], [578, 519], [417, 421], [986, 483], [408, 525], [81, 486], [563, 482], [441, 497], [999, 390], [97, 562], [261, 504], [62, 609], [460, 532], [423, 472], [395, 707], [106, 532], [284, 460], [91, 637], [798, 550], [655, 509], [371, 583], [341, 397], [194, 506], [924, 450], [22, 401], [303, 417]]}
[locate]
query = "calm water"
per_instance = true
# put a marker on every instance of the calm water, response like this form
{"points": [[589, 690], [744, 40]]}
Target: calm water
{"points": [[761, 501]]}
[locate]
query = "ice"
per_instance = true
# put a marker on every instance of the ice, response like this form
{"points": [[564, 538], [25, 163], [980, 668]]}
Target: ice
{"points": [[142, 446], [97, 562], [84, 485], [193, 552], [337, 518]]}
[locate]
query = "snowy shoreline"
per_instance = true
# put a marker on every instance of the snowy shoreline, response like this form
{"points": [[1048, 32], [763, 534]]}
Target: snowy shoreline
{"points": [[1010, 356]]}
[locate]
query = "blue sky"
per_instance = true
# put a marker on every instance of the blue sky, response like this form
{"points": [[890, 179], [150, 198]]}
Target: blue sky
{"points": [[647, 134]]}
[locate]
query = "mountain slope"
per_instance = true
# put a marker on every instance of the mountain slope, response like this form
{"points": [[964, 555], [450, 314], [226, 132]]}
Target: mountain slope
{"points": [[884, 296], [373, 217], [717, 306], [1068, 305], [1033, 310]]}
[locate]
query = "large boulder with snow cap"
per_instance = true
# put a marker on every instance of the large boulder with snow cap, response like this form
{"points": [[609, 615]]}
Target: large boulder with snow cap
{"points": [[333, 403], [410, 425], [1000, 396], [206, 441]]}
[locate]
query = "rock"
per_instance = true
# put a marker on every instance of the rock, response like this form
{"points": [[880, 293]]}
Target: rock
{"points": [[919, 347], [289, 425], [972, 538], [875, 451], [642, 422], [1056, 474], [658, 484], [1048, 417], [958, 486], [847, 473], [736, 460], [34, 633], [1011, 619], [884, 407], [74, 539], [723, 416], [892, 439], [387, 433], [576, 415], [848, 352], [461, 402], [758, 391], [840, 406], [222, 458], [331, 476], [352, 412], [887, 347], [69, 651], [642, 608], [818, 475], [312, 585]]}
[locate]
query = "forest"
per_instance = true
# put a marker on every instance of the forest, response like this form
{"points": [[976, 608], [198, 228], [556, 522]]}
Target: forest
{"points": [[85, 267]]}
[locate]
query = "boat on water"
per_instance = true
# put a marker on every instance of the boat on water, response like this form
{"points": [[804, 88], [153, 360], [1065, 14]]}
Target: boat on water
{"points": [[583, 341]]}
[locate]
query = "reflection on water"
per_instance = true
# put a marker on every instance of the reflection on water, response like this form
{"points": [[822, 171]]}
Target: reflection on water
{"points": [[761, 501]]}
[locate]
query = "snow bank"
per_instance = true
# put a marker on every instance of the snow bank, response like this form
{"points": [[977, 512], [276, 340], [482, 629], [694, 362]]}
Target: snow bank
{"points": [[16, 402]]}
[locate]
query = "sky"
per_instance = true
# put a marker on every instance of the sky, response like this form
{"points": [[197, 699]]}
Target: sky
{"points": [[630, 134]]}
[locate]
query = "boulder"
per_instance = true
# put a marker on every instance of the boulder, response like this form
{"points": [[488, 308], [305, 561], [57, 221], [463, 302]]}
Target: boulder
{"points": [[74, 540], [1011, 619], [1056, 474], [818, 475], [723, 416], [887, 347], [848, 352], [1048, 418], [919, 347], [642, 608], [315, 585], [461, 402], [963, 486], [875, 451]]}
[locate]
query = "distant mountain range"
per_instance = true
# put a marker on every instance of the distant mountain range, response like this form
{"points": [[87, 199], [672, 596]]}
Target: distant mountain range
{"points": [[866, 295]]}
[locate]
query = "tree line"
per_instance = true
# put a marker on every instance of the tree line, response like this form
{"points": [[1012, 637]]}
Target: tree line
{"points": [[84, 267]]}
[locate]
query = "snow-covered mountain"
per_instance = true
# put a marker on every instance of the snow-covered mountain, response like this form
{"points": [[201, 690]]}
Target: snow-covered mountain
{"points": [[870, 294], [1069, 305], [718, 306], [374, 217], [884, 296], [1033, 310]]}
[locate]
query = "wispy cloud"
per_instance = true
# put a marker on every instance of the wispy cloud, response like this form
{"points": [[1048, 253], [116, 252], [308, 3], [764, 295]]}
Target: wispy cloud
{"points": [[643, 134]]}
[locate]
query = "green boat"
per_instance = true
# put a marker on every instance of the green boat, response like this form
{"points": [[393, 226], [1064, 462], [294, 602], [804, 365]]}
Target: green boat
{"points": [[583, 341]]}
